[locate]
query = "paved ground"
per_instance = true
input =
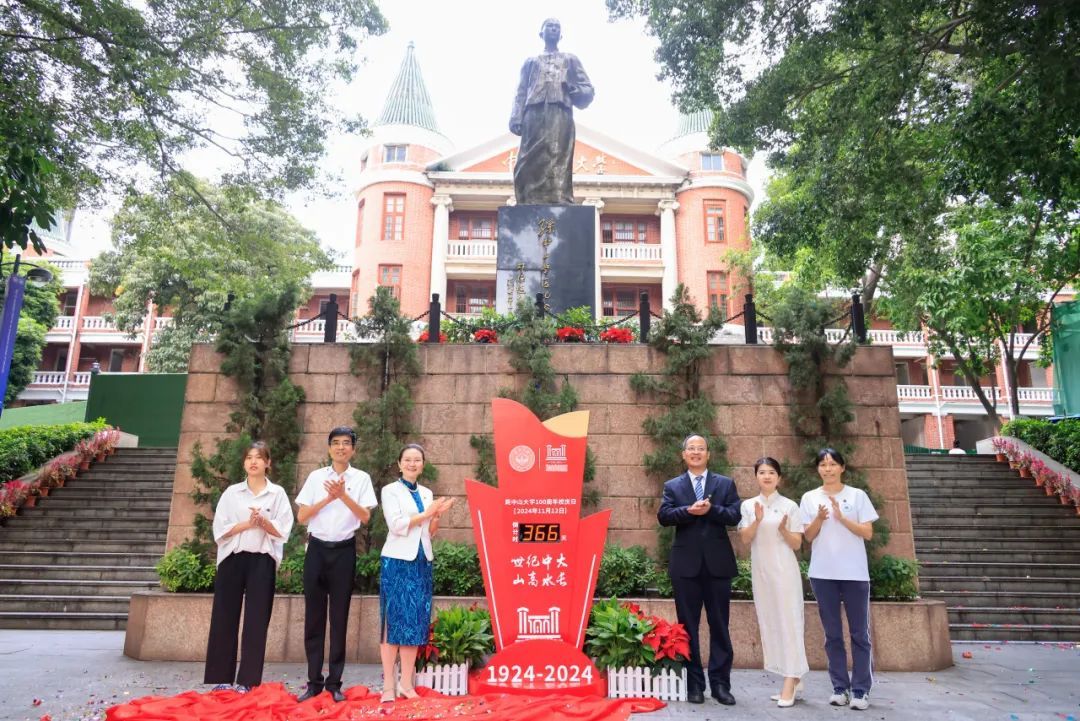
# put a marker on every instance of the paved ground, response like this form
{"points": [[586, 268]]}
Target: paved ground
{"points": [[76, 675]]}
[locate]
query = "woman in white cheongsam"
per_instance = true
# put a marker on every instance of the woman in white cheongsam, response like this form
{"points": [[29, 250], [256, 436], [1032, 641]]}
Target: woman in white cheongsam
{"points": [[772, 525]]}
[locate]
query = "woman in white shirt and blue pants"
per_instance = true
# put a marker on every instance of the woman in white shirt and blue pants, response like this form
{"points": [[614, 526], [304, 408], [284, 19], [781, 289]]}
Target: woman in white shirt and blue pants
{"points": [[839, 521], [252, 521]]}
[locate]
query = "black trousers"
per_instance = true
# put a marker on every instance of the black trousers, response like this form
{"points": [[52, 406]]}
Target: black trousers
{"points": [[329, 570], [715, 595], [247, 580]]}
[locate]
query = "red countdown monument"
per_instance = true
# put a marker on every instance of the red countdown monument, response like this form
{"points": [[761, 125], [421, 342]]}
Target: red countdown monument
{"points": [[539, 557]]}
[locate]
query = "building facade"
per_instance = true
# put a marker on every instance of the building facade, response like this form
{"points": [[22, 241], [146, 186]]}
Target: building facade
{"points": [[426, 223]]}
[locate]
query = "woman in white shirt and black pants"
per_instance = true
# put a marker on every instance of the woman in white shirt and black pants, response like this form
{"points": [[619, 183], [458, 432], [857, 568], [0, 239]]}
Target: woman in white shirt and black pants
{"points": [[839, 521], [252, 521]]}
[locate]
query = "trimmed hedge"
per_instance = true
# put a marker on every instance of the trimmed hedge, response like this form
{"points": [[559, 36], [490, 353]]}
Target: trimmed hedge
{"points": [[24, 448], [1060, 441]]}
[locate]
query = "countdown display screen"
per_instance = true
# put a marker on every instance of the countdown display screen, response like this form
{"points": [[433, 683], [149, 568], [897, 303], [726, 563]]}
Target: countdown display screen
{"points": [[538, 533]]}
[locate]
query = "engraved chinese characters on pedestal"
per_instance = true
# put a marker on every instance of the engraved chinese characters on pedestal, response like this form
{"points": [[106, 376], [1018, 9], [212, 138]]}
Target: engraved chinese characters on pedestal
{"points": [[538, 556]]}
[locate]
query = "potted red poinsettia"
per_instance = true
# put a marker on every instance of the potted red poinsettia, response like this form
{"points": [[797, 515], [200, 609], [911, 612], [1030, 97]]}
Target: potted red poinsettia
{"points": [[485, 335], [424, 337], [643, 654], [617, 335], [570, 334]]}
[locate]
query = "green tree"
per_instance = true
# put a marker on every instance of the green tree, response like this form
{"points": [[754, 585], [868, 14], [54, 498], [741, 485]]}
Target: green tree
{"points": [[1001, 273], [880, 115], [125, 86], [172, 251], [41, 306]]}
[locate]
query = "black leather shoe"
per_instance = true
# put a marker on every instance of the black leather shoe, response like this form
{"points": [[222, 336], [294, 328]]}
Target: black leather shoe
{"points": [[335, 693], [695, 697], [724, 696], [312, 692]]}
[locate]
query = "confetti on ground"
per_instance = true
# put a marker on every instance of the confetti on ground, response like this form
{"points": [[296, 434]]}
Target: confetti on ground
{"points": [[968, 654]]}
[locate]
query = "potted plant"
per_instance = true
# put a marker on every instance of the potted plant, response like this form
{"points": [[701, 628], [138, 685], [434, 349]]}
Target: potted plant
{"points": [[424, 337], [460, 638], [999, 444], [570, 334], [485, 335], [643, 655], [617, 335], [1023, 464], [1038, 471]]}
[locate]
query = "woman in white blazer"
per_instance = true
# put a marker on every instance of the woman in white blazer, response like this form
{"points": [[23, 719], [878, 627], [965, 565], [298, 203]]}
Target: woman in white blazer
{"points": [[405, 588]]}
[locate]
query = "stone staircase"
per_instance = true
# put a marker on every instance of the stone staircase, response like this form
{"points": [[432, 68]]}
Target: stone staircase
{"points": [[73, 561], [1002, 554]]}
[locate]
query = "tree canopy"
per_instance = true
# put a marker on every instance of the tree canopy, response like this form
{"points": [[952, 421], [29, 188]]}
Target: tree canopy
{"points": [[880, 113], [170, 250], [117, 87]]}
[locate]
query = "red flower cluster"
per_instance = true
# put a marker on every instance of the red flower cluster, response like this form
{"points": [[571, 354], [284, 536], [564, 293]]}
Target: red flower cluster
{"points": [[570, 334], [617, 335], [485, 335], [669, 641], [424, 337], [428, 653]]}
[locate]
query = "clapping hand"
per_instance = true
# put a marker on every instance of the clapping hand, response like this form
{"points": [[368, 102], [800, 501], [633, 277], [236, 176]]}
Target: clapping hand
{"points": [[335, 489], [823, 512], [256, 519], [836, 509], [441, 506], [759, 512], [699, 508]]}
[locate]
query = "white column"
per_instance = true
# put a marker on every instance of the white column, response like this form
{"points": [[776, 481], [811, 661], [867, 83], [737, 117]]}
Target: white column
{"points": [[598, 204], [668, 254], [440, 236]]}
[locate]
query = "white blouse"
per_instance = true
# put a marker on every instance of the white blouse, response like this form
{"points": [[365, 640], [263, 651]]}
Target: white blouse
{"points": [[235, 506]]}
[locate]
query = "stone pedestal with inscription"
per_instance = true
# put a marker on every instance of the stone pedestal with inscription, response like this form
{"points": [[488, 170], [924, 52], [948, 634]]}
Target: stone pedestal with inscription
{"points": [[549, 249]]}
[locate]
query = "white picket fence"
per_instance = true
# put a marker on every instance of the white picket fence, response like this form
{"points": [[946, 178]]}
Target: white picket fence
{"points": [[448, 680], [640, 683]]}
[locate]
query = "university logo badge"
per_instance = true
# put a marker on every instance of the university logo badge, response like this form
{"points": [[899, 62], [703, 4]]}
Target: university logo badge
{"points": [[522, 459], [539, 557]]}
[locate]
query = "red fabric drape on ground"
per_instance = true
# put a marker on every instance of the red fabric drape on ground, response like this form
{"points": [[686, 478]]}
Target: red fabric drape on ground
{"points": [[271, 702]]}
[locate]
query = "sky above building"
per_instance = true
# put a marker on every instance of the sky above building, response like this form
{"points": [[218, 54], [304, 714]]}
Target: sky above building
{"points": [[470, 53]]}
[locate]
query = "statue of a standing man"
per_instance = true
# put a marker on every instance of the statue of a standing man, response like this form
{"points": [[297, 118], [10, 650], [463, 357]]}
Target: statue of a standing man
{"points": [[552, 85]]}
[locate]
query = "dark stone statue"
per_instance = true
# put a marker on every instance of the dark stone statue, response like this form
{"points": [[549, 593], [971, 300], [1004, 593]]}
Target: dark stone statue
{"points": [[552, 85]]}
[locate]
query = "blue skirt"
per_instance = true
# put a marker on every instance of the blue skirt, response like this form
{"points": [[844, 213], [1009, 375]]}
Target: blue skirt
{"points": [[405, 589]]}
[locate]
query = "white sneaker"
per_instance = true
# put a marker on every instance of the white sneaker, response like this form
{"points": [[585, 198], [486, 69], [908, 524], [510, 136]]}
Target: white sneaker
{"points": [[840, 698], [859, 703]]}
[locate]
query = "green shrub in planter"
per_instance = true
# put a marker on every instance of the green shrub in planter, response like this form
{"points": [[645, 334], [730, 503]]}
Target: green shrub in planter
{"points": [[742, 586], [368, 571], [624, 572], [1060, 441], [24, 448], [894, 579], [181, 569], [290, 575], [456, 570]]}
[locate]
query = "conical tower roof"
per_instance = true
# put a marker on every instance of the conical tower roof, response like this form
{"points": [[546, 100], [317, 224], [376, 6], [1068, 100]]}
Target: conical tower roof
{"points": [[695, 122], [408, 102]]}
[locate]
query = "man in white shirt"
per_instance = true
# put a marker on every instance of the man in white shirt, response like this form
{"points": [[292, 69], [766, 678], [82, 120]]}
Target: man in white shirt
{"points": [[333, 504]]}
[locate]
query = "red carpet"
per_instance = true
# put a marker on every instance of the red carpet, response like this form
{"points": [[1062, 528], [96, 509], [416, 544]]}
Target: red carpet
{"points": [[271, 702]]}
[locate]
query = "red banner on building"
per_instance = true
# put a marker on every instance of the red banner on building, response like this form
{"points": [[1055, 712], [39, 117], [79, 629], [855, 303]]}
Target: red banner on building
{"points": [[539, 557]]}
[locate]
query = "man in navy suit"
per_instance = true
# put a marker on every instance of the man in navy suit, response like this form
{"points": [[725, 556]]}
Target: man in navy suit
{"points": [[701, 505]]}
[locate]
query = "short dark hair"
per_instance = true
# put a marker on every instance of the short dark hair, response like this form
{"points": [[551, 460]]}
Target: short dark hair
{"points": [[694, 435], [415, 447], [768, 461], [830, 453], [261, 448], [342, 431]]}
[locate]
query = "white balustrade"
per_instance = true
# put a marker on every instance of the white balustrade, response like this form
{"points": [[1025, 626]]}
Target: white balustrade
{"points": [[897, 337], [97, 322], [80, 379], [906, 392], [630, 251], [479, 249], [343, 269], [48, 378], [162, 322], [764, 335], [67, 264], [1035, 395], [64, 322]]}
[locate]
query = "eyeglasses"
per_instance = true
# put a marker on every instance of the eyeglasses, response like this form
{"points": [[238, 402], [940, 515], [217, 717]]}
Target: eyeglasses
{"points": [[341, 444]]}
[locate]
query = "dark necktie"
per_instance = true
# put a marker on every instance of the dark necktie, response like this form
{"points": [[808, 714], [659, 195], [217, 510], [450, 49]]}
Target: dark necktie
{"points": [[699, 488]]}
